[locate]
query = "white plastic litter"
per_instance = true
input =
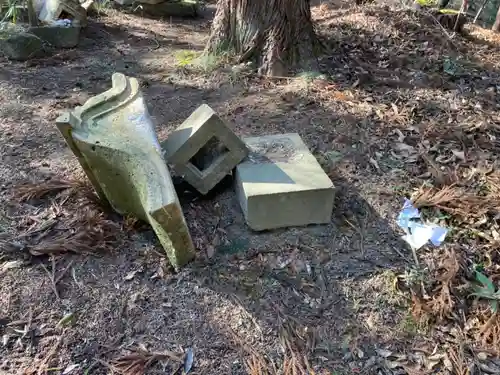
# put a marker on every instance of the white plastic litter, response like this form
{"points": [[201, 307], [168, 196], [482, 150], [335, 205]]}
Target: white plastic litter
{"points": [[61, 23], [417, 233]]}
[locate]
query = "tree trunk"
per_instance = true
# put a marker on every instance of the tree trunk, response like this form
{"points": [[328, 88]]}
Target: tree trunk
{"points": [[277, 35], [32, 18], [496, 25]]}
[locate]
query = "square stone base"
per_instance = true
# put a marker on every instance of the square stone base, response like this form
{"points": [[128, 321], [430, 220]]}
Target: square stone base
{"points": [[280, 184]]}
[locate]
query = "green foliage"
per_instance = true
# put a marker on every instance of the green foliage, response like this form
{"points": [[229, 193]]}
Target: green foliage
{"points": [[486, 290], [409, 326], [12, 13], [311, 76], [449, 11], [427, 3], [185, 58], [208, 62], [101, 6]]}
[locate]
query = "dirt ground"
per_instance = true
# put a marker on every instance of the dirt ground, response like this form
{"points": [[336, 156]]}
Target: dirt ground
{"points": [[403, 104]]}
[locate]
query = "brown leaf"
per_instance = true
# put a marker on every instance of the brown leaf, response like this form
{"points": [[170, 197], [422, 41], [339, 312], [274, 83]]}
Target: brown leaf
{"points": [[339, 95]]}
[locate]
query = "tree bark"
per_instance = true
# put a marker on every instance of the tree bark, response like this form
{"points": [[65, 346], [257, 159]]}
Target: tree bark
{"points": [[496, 25], [277, 35], [32, 18]]}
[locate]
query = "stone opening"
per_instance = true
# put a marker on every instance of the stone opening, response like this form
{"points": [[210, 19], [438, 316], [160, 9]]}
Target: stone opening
{"points": [[206, 156]]}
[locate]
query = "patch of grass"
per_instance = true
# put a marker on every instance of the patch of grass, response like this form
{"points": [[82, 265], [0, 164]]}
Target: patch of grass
{"points": [[4, 221], [185, 57], [101, 6], [13, 12], [449, 11], [308, 78], [209, 62], [427, 3], [201, 62], [410, 326], [390, 293]]}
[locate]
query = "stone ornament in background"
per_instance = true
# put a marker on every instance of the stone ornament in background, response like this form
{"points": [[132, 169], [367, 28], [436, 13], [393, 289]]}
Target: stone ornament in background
{"points": [[165, 8], [203, 150], [52, 10], [281, 184], [113, 137]]}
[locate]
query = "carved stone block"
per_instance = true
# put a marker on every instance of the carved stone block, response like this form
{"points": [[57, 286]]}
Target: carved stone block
{"points": [[113, 138]]}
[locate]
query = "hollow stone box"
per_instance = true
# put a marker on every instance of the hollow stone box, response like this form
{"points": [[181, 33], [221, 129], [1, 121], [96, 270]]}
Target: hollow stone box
{"points": [[280, 184], [203, 149]]}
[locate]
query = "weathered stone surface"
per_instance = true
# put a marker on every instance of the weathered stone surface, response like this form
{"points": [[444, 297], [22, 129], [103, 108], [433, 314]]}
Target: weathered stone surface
{"points": [[52, 9], [281, 184], [183, 8], [152, 2], [57, 36], [20, 45], [203, 149], [124, 2], [113, 138]]}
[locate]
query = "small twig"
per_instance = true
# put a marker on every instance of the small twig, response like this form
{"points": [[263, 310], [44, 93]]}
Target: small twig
{"points": [[460, 12], [51, 276], [43, 365], [157, 43], [415, 257], [45, 225], [73, 274], [401, 254], [450, 37], [480, 10], [63, 272], [360, 231]]}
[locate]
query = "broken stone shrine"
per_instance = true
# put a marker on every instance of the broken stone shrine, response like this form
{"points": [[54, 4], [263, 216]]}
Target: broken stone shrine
{"points": [[113, 137]]}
